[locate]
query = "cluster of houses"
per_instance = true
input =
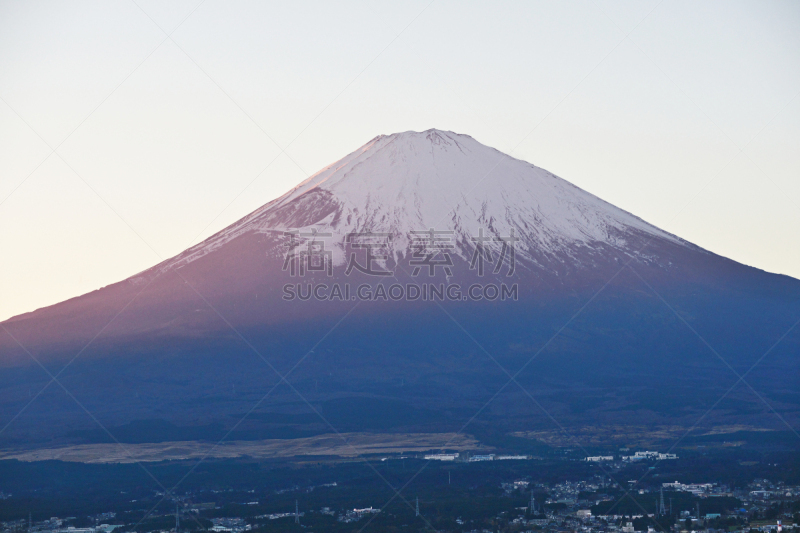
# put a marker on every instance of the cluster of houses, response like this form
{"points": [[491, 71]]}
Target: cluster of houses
{"points": [[638, 456], [474, 458]]}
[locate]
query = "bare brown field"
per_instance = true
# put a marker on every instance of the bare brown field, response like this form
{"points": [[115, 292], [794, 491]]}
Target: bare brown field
{"points": [[346, 445], [627, 436]]}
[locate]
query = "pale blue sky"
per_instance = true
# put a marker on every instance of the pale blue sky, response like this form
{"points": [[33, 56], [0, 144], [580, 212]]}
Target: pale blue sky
{"points": [[684, 113]]}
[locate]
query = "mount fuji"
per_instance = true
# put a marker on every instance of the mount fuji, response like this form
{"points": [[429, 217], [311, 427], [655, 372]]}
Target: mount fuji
{"points": [[604, 319]]}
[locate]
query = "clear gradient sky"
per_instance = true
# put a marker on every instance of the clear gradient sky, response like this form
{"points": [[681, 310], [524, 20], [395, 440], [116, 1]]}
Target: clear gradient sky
{"points": [[170, 120]]}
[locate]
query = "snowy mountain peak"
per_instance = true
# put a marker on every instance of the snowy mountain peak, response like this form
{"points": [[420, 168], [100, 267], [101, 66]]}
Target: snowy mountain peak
{"points": [[413, 181]]}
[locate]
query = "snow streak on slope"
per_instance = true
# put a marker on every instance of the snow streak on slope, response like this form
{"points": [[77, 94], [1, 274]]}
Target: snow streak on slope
{"points": [[446, 181]]}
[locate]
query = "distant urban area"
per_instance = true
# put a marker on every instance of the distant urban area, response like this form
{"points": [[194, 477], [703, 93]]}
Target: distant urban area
{"points": [[627, 492]]}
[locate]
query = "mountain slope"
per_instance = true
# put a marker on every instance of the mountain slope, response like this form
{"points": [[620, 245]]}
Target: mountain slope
{"points": [[199, 339]]}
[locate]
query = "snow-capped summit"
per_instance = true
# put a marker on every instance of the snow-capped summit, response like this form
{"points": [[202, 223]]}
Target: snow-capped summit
{"points": [[416, 181]]}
